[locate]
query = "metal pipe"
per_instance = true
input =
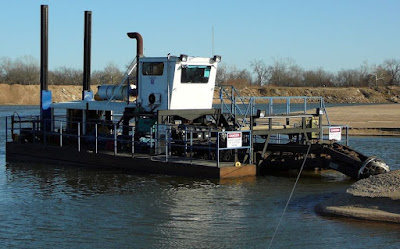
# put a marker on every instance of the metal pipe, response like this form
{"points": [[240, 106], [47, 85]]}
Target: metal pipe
{"points": [[44, 57], [191, 145], [115, 139], [251, 148], [185, 141], [61, 134], [44, 24], [12, 127], [191, 141], [218, 149], [271, 106], [87, 52], [133, 140], [79, 137], [139, 54], [166, 144], [96, 131], [7, 129], [139, 39]]}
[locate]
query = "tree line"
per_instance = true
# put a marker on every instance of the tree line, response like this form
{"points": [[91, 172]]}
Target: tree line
{"points": [[26, 71], [283, 72]]}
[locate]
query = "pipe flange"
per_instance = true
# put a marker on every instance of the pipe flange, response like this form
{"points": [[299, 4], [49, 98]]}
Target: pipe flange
{"points": [[373, 160]]}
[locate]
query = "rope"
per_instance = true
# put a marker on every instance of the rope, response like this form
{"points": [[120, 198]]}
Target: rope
{"points": [[290, 196]]}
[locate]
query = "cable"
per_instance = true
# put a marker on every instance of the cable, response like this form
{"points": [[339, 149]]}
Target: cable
{"points": [[290, 196]]}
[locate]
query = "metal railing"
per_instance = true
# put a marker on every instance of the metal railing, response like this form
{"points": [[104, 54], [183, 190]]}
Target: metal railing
{"points": [[237, 106], [62, 133], [105, 137], [196, 142]]}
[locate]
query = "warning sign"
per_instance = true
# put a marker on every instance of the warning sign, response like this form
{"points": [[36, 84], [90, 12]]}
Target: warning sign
{"points": [[335, 133], [234, 140]]}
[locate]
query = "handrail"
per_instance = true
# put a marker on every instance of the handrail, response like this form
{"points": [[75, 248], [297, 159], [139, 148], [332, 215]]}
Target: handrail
{"points": [[230, 93], [60, 134]]}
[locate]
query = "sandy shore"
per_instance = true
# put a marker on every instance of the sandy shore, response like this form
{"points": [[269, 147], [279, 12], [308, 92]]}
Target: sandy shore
{"points": [[380, 119], [376, 198]]}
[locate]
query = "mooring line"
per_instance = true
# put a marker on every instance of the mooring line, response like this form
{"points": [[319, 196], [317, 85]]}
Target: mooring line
{"points": [[290, 196]]}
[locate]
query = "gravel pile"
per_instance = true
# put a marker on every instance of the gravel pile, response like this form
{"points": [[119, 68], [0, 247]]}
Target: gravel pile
{"points": [[383, 185], [376, 198]]}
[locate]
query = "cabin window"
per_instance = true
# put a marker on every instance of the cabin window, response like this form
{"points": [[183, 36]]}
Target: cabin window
{"points": [[153, 68], [195, 74]]}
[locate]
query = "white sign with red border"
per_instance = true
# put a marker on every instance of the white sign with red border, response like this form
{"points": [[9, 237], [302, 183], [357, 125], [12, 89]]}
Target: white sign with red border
{"points": [[335, 133], [234, 140]]}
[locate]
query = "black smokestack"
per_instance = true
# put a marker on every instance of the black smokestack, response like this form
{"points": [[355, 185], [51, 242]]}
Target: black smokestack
{"points": [[44, 58], [44, 65], [87, 51]]}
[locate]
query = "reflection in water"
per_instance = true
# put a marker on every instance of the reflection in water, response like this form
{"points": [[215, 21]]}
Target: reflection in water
{"points": [[77, 207]]}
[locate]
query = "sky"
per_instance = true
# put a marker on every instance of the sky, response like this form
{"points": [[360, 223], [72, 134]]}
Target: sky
{"points": [[328, 34]]}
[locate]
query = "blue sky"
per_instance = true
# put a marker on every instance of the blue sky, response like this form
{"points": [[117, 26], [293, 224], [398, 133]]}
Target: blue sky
{"points": [[334, 35]]}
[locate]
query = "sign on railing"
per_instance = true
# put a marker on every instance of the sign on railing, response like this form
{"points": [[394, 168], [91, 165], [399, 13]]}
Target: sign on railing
{"points": [[335, 133], [234, 140]]}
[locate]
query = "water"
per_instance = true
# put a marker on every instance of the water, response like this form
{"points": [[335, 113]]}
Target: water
{"points": [[53, 206]]}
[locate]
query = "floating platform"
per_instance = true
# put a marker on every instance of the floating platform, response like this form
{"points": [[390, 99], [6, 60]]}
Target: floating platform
{"points": [[141, 163]]}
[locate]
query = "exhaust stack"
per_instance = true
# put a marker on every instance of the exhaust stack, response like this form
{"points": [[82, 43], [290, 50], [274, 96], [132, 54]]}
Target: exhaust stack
{"points": [[44, 29], [139, 39], [87, 43], [139, 54], [45, 94]]}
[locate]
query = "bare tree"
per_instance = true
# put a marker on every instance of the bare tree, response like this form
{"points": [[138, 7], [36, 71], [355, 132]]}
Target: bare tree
{"points": [[65, 76], [285, 72], [392, 66], [262, 72], [222, 74], [317, 78], [23, 70]]}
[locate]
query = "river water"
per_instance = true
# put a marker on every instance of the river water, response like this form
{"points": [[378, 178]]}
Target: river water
{"points": [[54, 206]]}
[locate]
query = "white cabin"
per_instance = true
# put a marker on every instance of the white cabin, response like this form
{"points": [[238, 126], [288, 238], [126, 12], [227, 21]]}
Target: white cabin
{"points": [[176, 83]]}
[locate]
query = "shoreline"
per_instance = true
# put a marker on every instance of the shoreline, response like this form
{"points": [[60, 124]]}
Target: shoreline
{"points": [[376, 198], [367, 120]]}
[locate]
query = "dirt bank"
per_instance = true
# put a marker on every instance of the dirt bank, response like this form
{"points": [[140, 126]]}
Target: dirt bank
{"points": [[331, 94], [376, 198], [29, 94]]}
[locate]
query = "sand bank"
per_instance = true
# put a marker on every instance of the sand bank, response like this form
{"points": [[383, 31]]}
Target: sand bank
{"points": [[379, 119], [376, 198]]}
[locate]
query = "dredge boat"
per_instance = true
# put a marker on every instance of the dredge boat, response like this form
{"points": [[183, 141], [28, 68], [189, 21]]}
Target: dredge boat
{"points": [[163, 118]]}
